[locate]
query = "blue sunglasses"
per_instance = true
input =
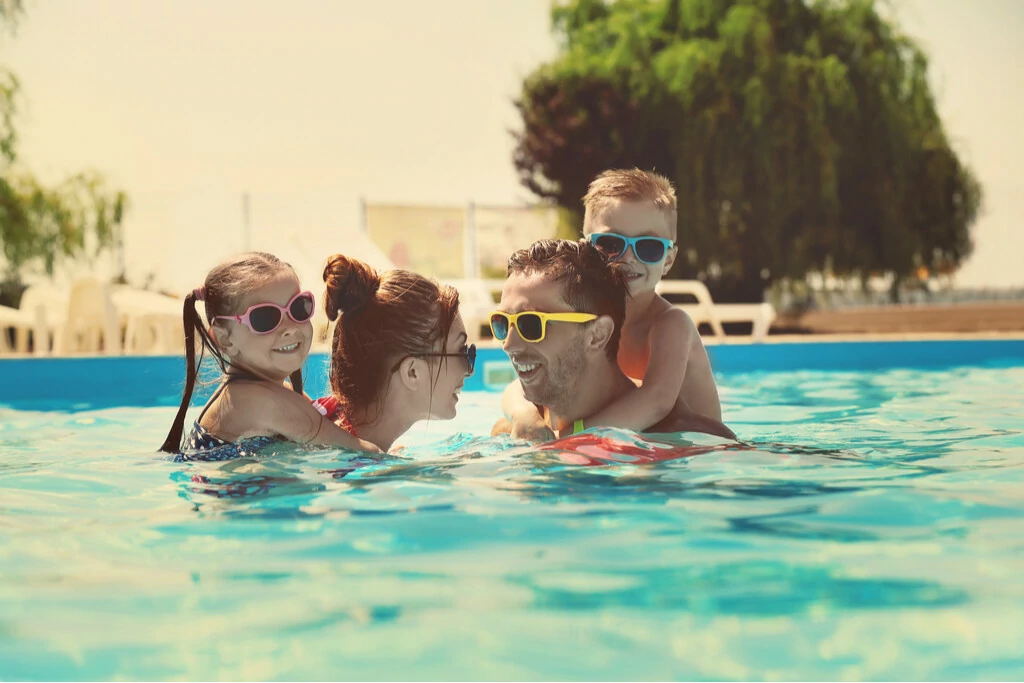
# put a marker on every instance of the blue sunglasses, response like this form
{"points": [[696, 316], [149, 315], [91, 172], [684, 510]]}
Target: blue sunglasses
{"points": [[650, 250]]}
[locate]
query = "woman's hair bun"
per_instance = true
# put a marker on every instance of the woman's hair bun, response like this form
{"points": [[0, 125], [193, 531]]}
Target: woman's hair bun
{"points": [[351, 284]]}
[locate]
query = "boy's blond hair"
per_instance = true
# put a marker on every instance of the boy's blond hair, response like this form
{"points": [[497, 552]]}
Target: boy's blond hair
{"points": [[630, 185]]}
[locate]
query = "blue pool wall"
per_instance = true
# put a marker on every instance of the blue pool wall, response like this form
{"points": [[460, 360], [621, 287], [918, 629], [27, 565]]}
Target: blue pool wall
{"points": [[98, 382]]}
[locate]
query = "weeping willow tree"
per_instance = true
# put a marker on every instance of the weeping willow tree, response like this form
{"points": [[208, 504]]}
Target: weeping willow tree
{"points": [[40, 224], [801, 136]]}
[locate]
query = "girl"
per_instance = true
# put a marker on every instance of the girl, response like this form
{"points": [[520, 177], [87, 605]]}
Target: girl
{"points": [[399, 353], [260, 333]]}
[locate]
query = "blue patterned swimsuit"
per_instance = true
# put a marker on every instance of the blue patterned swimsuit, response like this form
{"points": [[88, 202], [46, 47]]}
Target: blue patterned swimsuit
{"points": [[201, 445]]}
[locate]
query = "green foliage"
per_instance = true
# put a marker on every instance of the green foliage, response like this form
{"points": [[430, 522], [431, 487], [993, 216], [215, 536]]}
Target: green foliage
{"points": [[800, 135], [46, 224], [41, 225], [8, 135]]}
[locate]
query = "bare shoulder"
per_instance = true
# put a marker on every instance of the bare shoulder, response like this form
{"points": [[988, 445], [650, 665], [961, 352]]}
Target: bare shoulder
{"points": [[255, 394], [673, 324], [264, 408]]}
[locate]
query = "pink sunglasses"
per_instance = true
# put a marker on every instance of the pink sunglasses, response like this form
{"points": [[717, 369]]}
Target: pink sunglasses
{"points": [[265, 318]]}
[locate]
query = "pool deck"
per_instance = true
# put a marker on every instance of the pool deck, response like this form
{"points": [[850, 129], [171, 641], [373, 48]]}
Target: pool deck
{"points": [[952, 318]]}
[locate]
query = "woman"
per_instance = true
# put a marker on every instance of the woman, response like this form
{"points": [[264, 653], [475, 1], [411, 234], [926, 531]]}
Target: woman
{"points": [[399, 353]]}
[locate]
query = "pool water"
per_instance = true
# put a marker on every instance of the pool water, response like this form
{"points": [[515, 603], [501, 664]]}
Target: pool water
{"points": [[871, 526]]}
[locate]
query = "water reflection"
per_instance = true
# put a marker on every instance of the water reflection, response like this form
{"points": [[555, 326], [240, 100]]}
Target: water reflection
{"points": [[869, 527]]}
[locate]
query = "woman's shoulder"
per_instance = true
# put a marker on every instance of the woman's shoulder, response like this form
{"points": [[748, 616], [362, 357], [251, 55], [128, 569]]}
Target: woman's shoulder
{"points": [[333, 409], [328, 406]]}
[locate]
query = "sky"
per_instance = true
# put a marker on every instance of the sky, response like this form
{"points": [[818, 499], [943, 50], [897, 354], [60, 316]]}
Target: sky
{"points": [[309, 106]]}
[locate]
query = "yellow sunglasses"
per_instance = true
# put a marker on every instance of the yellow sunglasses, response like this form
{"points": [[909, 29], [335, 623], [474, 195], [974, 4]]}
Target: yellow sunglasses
{"points": [[531, 325]]}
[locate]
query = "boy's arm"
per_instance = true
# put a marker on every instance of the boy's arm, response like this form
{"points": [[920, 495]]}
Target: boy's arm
{"points": [[669, 339], [522, 418]]}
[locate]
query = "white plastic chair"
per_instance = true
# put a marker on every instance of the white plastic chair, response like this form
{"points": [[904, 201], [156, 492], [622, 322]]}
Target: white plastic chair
{"points": [[152, 322], [707, 311], [92, 324], [21, 322], [50, 307]]}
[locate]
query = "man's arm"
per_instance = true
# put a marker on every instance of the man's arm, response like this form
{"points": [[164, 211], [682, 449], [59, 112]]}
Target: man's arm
{"points": [[502, 426], [670, 342], [522, 419]]}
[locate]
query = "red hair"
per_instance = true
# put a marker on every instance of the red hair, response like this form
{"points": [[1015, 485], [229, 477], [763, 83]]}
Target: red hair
{"points": [[384, 318]]}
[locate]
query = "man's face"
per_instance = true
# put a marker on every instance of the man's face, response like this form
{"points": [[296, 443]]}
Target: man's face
{"points": [[549, 369]]}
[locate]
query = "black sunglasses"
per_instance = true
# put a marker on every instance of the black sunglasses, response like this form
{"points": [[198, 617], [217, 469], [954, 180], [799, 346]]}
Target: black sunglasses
{"points": [[468, 354]]}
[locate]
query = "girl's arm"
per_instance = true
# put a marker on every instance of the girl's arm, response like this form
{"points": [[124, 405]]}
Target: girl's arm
{"points": [[669, 339], [282, 411]]}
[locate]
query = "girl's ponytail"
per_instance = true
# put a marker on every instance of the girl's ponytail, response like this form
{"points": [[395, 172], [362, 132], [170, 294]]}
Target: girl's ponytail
{"points": [[192, 322], [224, 286]]}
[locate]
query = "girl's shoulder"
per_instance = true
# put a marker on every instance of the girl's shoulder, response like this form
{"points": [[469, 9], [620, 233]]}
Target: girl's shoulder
{"points": [[260, 391], [249, 407]]}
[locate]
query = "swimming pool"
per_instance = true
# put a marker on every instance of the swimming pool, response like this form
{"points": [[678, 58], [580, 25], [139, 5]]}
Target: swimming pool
{"points": [[875, 530]]}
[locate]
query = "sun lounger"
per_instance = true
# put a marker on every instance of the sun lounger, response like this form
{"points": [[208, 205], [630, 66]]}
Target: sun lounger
{"points": [[707, 311]]}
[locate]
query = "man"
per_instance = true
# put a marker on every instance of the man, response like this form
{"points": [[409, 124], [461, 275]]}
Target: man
{"points": [[560, 320]]}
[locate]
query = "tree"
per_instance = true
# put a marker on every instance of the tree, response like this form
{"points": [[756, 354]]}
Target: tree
{"points": [[41, 225], [801, 136]]}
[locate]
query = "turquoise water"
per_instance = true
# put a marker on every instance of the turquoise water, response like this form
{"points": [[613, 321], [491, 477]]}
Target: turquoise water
{"points": [[872, 527]]}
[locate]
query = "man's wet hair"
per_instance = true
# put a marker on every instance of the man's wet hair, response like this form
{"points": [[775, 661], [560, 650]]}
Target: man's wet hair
{"points": [[589, 282]]}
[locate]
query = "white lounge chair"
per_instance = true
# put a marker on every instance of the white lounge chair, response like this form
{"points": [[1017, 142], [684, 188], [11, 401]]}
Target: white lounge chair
{"points": [[707, 311]]}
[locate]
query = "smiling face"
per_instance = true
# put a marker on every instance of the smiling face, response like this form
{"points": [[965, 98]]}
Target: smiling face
{"points": [[549, 370], [636, 219], [278, 354]]}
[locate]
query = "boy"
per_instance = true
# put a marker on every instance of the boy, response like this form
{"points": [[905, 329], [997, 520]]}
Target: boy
{"points": [[630, 215]]}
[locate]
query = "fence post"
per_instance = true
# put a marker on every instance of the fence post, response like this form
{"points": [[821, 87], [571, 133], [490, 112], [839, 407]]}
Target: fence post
{"points": [[470, 248]]}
